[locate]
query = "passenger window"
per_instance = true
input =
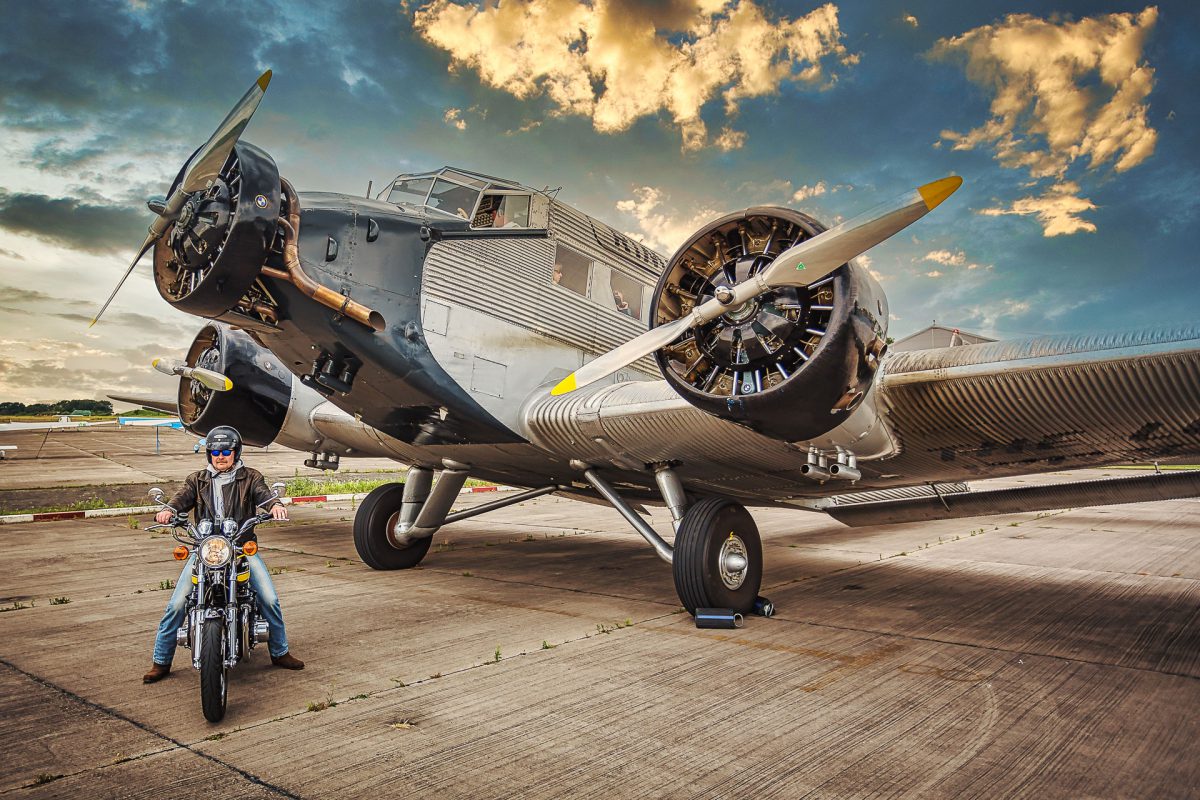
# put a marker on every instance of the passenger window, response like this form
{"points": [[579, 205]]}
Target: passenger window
{"points": [[571, 270], [626, 294]]}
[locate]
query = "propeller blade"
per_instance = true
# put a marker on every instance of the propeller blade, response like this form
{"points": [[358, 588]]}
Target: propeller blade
{"points": [[800, 265], [624, 355], [201, 170], [206, 165], [815, 258], [146, 245], [206, 377]]}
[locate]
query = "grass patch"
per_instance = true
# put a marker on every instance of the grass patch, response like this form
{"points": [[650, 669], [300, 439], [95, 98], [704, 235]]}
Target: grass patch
{"points": [[44, 778], [17, 605], [79, 505], [328, 702], [303, 486], [59, 601]]}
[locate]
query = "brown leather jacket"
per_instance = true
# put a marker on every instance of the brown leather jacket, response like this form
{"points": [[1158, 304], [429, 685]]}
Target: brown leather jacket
{"points": [[241, 497]]}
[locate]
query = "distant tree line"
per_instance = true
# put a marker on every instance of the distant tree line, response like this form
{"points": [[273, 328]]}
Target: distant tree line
{"points": [[61, 407]]}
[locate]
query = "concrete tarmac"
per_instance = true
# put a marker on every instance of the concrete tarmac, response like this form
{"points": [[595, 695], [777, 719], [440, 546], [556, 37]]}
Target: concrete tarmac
{"points": [[540, 652]]}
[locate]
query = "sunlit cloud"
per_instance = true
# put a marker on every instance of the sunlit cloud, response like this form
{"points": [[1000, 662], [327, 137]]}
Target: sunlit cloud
{"points": [[659, 227], [911, 20], [956, 258], [1064, 93], [617, 61], [453, 118], [1057, 210]]}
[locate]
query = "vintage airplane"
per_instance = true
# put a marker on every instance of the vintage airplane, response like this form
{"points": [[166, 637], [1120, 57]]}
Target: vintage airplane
{"points": [[469, 325]]}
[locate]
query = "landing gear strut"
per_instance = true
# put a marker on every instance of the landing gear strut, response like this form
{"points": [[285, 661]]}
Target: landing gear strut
{"points": [[718, 557], [396, 522]]}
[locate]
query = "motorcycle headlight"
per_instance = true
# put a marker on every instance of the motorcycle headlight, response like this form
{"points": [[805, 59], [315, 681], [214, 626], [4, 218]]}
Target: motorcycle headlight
{"points": [[229, 527], [204, 527], [215, 551]]}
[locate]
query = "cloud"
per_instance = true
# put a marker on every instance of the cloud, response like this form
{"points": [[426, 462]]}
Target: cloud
{"points": [[72, 223], [911, 20], [1058, 210], [805, 192], [453, 118], [937, 273], [11, 254], [616, 61], [1064, 93], [950, 259], [659, 228]]}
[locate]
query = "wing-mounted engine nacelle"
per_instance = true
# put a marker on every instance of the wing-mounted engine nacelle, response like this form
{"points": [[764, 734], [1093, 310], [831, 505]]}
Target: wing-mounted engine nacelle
{"points": [[207, 262], [266, 404], [791, 363]]}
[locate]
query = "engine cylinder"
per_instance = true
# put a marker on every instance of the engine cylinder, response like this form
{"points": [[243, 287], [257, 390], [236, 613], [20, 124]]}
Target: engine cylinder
{"points": [[791, 363]]}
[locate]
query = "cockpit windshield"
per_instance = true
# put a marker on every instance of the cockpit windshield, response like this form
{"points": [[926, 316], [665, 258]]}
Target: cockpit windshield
{"points": [[487, 202]]}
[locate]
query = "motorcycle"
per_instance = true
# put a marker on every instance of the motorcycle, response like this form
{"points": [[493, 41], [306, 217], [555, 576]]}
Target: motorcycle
{"points": [[223, 623]]}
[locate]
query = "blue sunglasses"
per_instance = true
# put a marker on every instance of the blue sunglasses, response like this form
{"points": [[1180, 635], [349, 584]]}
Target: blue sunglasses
{"points": [[221, 452]]}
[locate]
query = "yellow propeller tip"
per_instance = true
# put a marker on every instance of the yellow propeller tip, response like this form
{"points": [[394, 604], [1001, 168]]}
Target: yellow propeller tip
{"points": [[228, 384], [565, 386], [154, 363], [263, 80], [934, 193], [93, 322]]}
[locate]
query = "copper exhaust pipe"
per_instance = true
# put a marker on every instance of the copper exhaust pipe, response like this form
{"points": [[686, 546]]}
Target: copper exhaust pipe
{"points": [[296, 275]]}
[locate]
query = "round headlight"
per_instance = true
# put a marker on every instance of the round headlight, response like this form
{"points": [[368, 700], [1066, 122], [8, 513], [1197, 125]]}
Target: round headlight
{"points": [[205, 527], [229, 527], [215, 551]]}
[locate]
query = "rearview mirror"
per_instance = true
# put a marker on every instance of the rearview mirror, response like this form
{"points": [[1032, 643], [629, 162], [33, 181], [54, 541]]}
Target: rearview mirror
{"points": [[156, 493], [277, 487]]}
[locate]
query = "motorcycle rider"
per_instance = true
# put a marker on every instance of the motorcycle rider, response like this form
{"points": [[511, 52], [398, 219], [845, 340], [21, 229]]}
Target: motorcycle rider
{"points": [[225, 488]]}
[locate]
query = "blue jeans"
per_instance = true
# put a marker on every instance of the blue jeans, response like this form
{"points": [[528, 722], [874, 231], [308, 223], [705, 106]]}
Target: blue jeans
{"points": [[176, 614]]}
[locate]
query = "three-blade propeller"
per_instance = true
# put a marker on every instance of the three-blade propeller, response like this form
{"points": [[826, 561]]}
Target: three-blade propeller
{"points": [[800, 265], [209, 378], [201, 170]]}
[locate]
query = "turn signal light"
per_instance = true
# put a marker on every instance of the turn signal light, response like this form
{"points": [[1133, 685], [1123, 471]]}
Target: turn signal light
{"points": [[250, 548], [180, 553]]}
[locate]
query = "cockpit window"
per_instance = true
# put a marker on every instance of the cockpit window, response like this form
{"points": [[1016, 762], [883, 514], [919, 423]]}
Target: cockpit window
{"points": [[410, 190], [502, 211], [453, 198]]}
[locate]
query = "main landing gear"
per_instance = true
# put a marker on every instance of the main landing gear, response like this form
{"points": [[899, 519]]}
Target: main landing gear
{"points": [[716, 560], [717, 557]]}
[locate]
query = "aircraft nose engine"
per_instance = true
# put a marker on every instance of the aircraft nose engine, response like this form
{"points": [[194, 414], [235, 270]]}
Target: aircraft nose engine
{"points": [[212, 253], [791, 362]]}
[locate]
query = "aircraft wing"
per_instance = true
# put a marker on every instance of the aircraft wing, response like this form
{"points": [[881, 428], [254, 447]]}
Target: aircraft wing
{"points": [[934, 417], [167, 404]]}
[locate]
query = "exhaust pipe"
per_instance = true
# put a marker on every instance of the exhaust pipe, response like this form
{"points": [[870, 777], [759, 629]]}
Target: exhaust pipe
{"points": [[296, 276]]}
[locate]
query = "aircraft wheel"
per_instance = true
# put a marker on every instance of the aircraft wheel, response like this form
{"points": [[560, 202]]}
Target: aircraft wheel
{"points": [[718, 557], [375, 518]]}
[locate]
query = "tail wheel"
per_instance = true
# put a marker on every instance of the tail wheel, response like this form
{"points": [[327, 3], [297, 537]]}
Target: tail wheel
{"points": [[718, 557], [376, 518], [214, 677]]}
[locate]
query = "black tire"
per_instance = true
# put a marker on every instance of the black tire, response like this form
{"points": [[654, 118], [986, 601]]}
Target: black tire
{"points": [[214, 678], [703, 532], [375, 517]]}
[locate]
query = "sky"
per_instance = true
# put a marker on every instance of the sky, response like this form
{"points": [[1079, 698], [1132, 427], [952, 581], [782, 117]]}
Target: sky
{"points": [[1073, 125]]}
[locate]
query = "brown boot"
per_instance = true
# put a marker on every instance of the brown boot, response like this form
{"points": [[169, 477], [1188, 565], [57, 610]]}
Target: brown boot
{"points": [[287, 661], [157, 673]]}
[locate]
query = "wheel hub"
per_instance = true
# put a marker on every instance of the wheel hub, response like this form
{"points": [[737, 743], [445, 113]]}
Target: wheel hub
{"points": [[732, 561]]}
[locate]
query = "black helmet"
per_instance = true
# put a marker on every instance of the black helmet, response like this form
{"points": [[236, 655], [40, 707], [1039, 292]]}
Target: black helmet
{"points": [[223, 437]]}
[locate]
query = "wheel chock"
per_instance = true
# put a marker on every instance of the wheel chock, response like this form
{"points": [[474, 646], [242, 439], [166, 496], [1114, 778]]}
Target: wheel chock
{"points": [[718, 618]]}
